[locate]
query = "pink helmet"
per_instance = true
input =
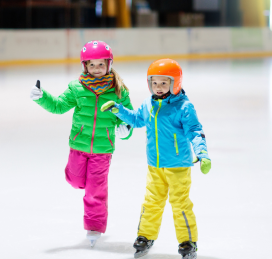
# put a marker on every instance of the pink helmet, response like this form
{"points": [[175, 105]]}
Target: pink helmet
{"points": [[96, 50]]}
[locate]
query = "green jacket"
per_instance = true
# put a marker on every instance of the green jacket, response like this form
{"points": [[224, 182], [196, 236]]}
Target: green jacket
{"points": [[92, 131]]}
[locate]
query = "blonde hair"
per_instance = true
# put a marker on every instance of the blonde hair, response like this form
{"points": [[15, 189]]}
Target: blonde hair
{"points": [[119, 84], [118, 81]]}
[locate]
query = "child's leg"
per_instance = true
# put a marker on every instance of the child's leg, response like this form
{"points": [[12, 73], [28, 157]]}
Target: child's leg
{"points": [[179, 180], [96, 193], [76, 168], [153, 206]]}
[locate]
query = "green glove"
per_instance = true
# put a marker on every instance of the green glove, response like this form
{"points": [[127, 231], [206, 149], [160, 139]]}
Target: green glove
{"points": [[205, 165], [109, 106]]}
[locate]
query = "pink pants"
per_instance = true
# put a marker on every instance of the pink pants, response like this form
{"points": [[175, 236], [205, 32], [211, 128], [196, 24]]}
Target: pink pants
{"points": [[90, 172]]}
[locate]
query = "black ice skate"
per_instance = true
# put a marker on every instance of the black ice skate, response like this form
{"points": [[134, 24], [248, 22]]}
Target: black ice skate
{"points": [[188, 250], [142, 246]]}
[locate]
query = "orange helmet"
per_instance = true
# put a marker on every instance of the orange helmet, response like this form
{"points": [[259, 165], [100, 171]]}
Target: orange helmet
{"points": [[166, 67]]}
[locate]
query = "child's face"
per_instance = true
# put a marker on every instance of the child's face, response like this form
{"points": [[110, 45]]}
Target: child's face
{"points": [[97, 67], [160, 84]]}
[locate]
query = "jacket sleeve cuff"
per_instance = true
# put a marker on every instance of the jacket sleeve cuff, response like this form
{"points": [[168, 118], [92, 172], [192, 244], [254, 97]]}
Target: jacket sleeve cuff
{"points": [[201, 155]]}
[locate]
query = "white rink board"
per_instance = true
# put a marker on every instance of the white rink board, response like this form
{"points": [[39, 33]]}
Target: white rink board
{"points": [[209, 40], [33, 44], [267, 39], [65, 44], [132, 42], [247, 39]]}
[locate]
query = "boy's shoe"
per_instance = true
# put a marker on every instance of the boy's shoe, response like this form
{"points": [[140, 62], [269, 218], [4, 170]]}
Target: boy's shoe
{"points": [[142, 246], [188, 250], [93, 236]]}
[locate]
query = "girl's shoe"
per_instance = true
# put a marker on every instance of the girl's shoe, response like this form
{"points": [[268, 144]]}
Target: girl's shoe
{"points": [[188, 250], [93, 236]]}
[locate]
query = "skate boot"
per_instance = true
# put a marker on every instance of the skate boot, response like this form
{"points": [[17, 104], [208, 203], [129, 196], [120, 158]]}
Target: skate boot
{"points": [[93, 236], [188, 250], [142, 246]]}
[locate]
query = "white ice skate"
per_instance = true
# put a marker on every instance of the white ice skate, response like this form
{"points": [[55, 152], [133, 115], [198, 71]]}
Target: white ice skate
{"points": [[93, 236]]}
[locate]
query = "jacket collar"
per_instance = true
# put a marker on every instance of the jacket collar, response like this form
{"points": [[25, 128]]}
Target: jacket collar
{"points": [[172, 98]]}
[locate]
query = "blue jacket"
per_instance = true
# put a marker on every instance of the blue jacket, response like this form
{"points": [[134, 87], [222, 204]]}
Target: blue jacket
{"points": [[171, 124]]}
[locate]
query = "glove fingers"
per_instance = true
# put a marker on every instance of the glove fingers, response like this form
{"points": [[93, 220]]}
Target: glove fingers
{"points": [[205, 165], [122, 131], [114, 110], [107, 106], [36, 93]]}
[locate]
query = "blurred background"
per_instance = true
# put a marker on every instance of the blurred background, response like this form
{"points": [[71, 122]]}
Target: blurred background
{"points": [[132, 13], [225, 50], [38, 30]]}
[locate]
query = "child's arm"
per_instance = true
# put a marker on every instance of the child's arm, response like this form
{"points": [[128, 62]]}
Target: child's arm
{"points": [[124, 131], [193, 131], [131, 117], [57, 105]]}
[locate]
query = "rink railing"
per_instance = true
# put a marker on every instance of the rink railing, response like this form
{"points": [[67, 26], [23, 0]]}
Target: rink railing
{"points": [[58, 46]]}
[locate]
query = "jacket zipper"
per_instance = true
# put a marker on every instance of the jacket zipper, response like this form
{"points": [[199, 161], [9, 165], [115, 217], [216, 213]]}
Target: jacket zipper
{"points": [[156, 133], [109, 137], [95, 114], [78, 132], [176, 143]]}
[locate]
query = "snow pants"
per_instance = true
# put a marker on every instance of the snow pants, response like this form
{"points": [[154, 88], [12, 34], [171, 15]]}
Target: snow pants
{"points": [[178, 182], [90, 172]]}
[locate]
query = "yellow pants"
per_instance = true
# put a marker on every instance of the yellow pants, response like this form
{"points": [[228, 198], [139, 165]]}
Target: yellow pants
{"points": [[178, 181]]}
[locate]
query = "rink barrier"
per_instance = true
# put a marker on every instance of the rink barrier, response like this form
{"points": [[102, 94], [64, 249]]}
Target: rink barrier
{"points": [[201, 56], [24, 47]]}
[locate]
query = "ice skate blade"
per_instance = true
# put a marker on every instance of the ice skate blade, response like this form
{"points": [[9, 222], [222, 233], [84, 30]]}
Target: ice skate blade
{"points": [[92, 242], [190, 256], [141, 253]]}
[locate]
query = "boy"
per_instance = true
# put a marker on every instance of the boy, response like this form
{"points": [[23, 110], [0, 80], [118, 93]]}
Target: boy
{"points": [[171, 123]]}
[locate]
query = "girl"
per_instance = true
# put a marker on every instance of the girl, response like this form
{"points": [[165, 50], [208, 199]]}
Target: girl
{"points": [[171, 124], [93, 132]]}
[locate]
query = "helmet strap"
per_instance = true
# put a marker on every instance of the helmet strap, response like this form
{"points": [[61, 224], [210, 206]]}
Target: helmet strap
{"points": [[109, 65], [83, 67]]}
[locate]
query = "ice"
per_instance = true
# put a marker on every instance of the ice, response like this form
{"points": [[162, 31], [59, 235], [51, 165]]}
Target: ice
{"points": [[42, 215]]}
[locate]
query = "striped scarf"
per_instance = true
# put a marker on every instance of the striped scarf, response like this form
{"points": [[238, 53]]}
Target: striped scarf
{"points": [[97, 84]]}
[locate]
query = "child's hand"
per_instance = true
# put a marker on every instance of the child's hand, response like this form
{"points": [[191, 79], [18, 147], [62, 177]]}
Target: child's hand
{"points": [[205, 165], [36, 93], [123, 130], [109, 106]]}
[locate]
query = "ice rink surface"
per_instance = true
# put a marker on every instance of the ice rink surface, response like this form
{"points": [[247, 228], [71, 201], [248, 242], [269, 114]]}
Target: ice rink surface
{"points": [[42, 215]]}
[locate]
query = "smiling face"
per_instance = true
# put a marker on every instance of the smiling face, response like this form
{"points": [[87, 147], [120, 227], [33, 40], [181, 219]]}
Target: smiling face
{"points": [[160, 84], [97, 67]]}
